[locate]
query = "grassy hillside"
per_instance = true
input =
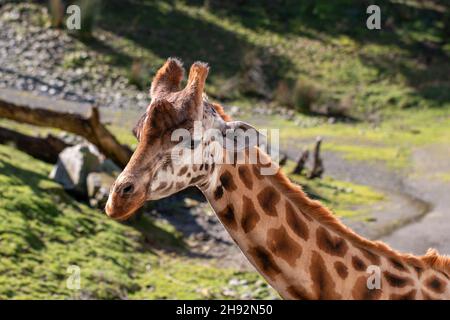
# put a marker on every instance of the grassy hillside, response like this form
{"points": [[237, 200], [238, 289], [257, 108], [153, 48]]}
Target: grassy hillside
{"points": [[317, 56], [43, 231]]}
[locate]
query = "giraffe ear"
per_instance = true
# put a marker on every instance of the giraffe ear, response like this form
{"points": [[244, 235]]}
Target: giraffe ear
{"points": [[160, 116], [138, 127], [168, 78], [163, 116], [240, 135]]}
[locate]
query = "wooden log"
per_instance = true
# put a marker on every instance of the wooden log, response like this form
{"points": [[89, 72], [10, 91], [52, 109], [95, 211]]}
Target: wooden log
{"points": [[46, 149], [301, 162], [283, 160], [317, 169], [88, 127]]}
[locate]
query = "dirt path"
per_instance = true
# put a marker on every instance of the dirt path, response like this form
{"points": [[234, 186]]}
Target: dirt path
{"points": [[430, 181], [400, 207]]}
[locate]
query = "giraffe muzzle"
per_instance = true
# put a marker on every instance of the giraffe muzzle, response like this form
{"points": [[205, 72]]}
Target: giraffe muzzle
{"points": [[125, 198]]}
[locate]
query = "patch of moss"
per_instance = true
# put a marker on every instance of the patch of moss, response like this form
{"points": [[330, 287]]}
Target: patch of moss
{"points": [[182, 279]]}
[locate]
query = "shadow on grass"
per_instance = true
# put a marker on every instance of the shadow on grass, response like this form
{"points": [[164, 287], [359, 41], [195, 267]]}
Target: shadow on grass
{"points": [[166, 31], [44, 205], [420, 29], [182, 218]]}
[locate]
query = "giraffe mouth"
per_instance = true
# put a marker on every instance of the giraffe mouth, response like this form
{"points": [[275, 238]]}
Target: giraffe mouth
{"points": [[124, 216], [120, 211]]}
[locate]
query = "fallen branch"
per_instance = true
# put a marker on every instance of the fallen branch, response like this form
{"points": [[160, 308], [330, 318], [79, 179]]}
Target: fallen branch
{"points": [[317, 169], [301, 162], [46, 149], [283, 160], [88, 127]]}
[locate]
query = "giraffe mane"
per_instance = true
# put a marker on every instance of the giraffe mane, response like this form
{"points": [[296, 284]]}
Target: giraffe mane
{"points": [[221, 112], [316, 210]]}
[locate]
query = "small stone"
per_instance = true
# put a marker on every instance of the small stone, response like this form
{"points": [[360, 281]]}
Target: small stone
{"points": [[73, 167]]}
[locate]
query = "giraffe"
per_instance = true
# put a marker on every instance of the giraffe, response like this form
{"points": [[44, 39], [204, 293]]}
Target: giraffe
{"points": [[295, 243]]}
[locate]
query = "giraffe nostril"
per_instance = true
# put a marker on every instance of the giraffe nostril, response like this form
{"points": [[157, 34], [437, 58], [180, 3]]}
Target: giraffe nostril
{"points": [[127, 189]]}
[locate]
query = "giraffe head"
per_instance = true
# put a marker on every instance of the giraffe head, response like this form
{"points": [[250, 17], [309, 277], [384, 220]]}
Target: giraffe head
{"points": [[168, 158]]}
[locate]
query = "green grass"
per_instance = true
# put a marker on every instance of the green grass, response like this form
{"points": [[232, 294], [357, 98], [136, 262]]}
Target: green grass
{"points": [[124, 135], [345, 199], [394, 157], [43, 231], [390, 141]]}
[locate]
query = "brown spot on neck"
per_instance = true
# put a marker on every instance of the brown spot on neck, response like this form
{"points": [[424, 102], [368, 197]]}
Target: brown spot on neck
{"points": [[410, 295], [256, 172], [183, 171], [362, 292], [397, 264], [332, 245], [218, 193], [245, 176], [250, 216], [297, 292], [227, 181], [323, 283], [283, 246], [372, 257], [358, 264], [268, 199], [396, 281], [227, 217], [296, 223], [179, 185], [341, 269], [435, 284], [196, 179], [161, 186], [265, 261]]}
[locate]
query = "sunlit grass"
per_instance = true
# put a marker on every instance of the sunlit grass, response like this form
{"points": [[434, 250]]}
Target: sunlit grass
{"points": [[390, 141], [345, 198]]}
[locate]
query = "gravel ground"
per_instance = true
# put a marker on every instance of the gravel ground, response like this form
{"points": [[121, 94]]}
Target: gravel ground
{"points": [[32, 58], [430, 180]]}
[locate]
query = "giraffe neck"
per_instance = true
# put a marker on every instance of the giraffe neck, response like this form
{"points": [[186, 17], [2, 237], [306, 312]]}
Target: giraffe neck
{"points": [[303, 251]]}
